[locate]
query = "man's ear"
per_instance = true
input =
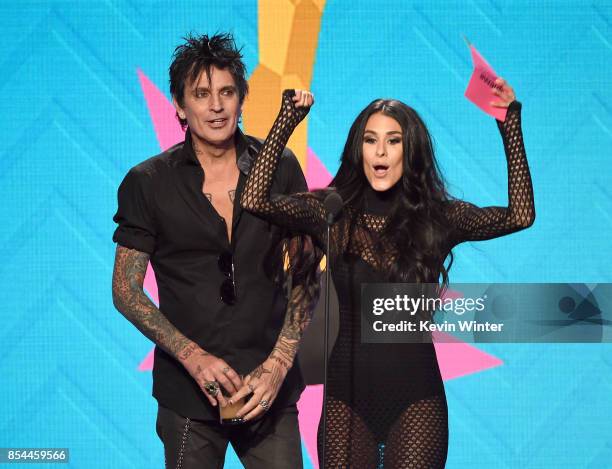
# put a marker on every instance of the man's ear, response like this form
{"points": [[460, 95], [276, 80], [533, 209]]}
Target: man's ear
{"points": [[179, 109]]}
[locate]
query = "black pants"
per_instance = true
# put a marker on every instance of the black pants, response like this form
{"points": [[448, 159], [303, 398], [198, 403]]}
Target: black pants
{"points": [[272, 442]]}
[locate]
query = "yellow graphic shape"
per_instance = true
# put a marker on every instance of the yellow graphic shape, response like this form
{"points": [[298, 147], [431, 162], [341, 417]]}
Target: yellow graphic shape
{"points": [[288, 35]]}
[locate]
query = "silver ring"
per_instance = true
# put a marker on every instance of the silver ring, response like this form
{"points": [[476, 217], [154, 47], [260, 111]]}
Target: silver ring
{"points": [[251, 388], [263, 403], [225, 370], [211, 387]]}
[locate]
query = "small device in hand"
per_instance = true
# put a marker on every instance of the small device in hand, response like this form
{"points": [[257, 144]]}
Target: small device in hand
{"points": [[227, 414]]}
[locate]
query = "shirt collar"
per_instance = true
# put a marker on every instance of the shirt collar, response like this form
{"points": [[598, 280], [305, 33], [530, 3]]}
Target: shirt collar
{"points": [[246, 151]]}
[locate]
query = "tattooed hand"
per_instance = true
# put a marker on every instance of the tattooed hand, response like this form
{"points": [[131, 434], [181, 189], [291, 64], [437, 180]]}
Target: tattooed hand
{"points": [[205, 367], [264, 382], [131, 301]]}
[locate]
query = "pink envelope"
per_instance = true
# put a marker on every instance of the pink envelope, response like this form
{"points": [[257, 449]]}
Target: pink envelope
{"points": [[479, 88]]}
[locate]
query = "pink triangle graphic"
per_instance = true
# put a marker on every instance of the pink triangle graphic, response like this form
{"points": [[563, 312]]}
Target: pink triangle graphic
{"points": [[147, 363], [150, 285], [457, 358], [162, 112], [168, 132], [309, 407], [317, 175]]}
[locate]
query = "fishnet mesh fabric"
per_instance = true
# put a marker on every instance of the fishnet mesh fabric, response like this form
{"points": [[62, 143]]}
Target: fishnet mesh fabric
{"points": [[417, 435], [474, 223], [419, 438], [305, 212], [349, 442]]}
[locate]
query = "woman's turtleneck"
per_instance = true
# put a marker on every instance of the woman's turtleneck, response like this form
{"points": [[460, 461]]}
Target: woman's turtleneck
{"points": [[381, 202]]}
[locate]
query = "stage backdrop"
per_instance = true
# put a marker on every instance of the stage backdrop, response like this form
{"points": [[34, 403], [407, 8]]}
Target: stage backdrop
{"points": [[85, 88]]}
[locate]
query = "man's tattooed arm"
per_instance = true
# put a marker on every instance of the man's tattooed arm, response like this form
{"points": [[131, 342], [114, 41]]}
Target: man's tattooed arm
{"points": [[131, 301], [259, 372], [300, 308]]}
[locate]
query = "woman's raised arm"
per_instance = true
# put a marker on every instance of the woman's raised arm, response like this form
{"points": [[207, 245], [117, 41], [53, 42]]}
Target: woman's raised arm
{"points": [[299, 212], [473, 223]]}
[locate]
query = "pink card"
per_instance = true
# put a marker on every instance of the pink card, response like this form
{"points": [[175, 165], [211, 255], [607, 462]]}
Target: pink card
{"points": [[481, 83]]}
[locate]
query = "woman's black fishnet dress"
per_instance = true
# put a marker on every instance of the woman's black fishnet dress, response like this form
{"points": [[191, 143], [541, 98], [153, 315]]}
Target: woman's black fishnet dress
{"points": [[386, 405]]}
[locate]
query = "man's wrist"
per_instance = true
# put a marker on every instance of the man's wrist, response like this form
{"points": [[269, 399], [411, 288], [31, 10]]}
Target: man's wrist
{"points": [[188, 351], [283, 355]]}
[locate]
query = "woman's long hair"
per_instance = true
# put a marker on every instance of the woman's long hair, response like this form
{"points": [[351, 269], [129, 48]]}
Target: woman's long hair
{"points": [[417, 225]]}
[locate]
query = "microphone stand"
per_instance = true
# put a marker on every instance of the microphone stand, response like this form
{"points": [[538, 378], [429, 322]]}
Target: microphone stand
{"points": [[326, 336], [333, 206]]}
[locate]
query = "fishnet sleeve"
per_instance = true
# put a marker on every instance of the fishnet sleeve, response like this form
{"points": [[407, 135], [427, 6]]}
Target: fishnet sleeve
{"points": [[299, 212], [473, 223]]}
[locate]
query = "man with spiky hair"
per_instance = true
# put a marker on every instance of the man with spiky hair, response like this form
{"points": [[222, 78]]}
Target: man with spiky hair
{"points": [[225, 320]]}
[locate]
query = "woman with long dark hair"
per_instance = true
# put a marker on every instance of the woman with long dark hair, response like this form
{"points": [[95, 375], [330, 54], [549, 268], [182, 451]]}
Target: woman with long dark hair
{"points": [[385, 402]]}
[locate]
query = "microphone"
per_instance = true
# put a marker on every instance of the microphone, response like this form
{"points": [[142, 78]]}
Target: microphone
{"points": [[333, 206]]}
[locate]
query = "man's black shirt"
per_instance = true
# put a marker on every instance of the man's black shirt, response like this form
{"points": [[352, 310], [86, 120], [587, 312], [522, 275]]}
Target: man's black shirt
{"points": [[162, 211]]}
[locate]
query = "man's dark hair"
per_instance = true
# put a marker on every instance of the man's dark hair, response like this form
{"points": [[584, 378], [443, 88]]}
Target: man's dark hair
{"points": [[201, 53]]}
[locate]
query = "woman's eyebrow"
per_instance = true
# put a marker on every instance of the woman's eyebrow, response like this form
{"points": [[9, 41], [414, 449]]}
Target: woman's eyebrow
{"points": [[390, 132]]}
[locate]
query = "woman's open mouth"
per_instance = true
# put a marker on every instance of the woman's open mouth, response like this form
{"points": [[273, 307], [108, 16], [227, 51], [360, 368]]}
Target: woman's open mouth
{"points": [[380, 170]]}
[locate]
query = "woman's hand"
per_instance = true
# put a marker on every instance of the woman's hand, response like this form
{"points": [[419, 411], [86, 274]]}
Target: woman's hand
{"points": [[303, 98], [505, 93], [295, 106]]}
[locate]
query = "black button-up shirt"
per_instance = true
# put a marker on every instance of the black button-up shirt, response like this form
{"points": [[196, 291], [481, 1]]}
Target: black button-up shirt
{"points": [[162, 211]]}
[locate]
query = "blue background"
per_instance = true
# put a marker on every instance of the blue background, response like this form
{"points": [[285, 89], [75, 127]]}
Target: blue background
{"points": [[74, 121]]}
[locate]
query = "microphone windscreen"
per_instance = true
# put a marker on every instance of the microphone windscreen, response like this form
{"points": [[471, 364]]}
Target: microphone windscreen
{"points": [[333, 206]]}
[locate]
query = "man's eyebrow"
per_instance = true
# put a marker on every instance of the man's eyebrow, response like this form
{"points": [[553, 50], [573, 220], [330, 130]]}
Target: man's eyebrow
{"points": [[224, 88]]}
